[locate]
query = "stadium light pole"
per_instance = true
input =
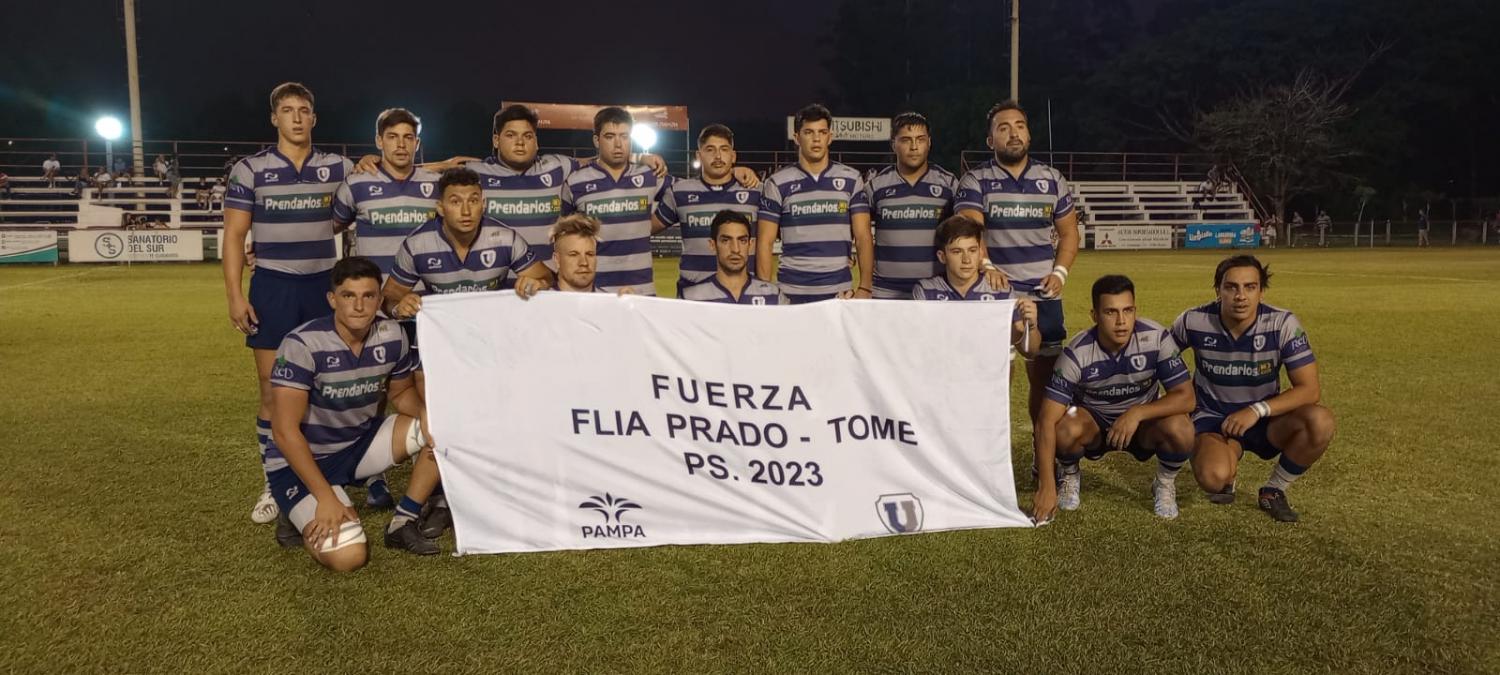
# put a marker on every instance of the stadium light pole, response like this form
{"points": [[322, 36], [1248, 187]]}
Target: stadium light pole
{"points": [[108, 127], [133, 75], [1015, 50]]}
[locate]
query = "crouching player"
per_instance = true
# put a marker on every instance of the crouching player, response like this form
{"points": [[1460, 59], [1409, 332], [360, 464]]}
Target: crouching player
{"points": [[1239, 347], [326, 430], [730, 241], [960, 249], [1103, 396]]}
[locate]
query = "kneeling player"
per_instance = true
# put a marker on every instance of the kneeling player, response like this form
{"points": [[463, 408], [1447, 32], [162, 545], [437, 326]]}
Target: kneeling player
{"points": [[575, 254], [327, 431], [1103, 396], [1240, 346], [960, 249], [730, 241]]}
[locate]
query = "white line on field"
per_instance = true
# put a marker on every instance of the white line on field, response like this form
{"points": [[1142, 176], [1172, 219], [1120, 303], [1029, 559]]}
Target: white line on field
{"points": [[1394, 277], [43, 281]]}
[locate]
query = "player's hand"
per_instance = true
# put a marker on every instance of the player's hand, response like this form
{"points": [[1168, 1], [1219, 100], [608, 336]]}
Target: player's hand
{"points": [[1235, 425], [1051, 286], [1123, 430], [844, 295], [862, 294], [368, 164], [409, 306], [326, 522], [529, 286], [746, 176], [1044, 503], [1027, 310], [657, 164], [450, 163], [426, 429], [628, 290], [242, 316], [996, 278]]}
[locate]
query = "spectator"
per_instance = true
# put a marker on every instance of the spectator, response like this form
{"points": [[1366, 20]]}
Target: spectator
{"points": [[1323, 223], [174, 179], [220, 188], [160, 166], [202, 196], [102, 181], [80, 182], [120, 164], [1424, 227], [1296, 229], [1269, 231], [50, 169], [4, 185]]}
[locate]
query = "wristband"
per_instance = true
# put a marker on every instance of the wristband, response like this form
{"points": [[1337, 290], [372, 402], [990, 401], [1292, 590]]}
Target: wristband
{"points": [[1061, 271], [866, 289], [1261, 408]]}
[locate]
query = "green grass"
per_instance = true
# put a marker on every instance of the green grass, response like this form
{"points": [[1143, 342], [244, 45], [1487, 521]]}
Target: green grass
{"points": [[129, 470]]}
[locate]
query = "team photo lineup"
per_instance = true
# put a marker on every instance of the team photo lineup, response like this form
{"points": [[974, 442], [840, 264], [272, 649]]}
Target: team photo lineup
{"points": [[341, 384]]}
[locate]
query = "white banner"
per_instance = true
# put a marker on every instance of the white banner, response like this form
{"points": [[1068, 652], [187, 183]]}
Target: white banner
{"points": [[1117, 237], [135, 245], [852, 128], [577, 421]]}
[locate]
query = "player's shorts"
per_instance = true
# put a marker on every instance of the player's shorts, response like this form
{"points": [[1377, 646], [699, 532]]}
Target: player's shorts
{"points": [[284, 301], [1049, 322], [1098, 449], [410, 327], [366, 457], [800, 299], [1256, 439]]}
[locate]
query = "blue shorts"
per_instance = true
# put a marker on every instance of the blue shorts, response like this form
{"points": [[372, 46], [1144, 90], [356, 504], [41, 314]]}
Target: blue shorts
{"points": [[1098, 449], [1256, 439], [284, 301], [1049, 322], [805, 299], [339, 468]]}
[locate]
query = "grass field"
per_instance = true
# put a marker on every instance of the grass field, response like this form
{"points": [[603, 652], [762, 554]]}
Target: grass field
{"points": [[129, 471]]}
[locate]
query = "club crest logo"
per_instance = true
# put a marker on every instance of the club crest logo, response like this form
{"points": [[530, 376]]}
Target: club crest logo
{"points": [[379, 354], [547, 179], [324, 173], [637, 180], [427, 189], [757, 300], [987, 297], [1138, 362], [487, 258], [900, 513], [1043, 185], [838, 183], [936, 190], [1260, 342]]}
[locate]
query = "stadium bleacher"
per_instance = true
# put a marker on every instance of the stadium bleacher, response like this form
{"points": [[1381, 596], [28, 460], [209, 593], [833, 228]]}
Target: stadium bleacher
{"points": [[1159, 203]]}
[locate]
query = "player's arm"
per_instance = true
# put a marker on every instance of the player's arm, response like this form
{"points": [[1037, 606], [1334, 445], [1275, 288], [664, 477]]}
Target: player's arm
{"points": [[1178, 400], [993, 274], [864, 253], [1024, 334], [406, 398], [746, 176], [286, 428], [343, 208], [236, 227], [1302, 371], [1044, 500], [765, 249], [398, 299], [534, 279]]}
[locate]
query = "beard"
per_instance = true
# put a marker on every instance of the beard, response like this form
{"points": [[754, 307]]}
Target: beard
{"points": [[1012, 156]]}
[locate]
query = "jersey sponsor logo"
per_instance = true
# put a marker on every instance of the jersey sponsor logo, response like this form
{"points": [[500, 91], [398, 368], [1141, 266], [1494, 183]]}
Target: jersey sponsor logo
{"points": [[399, 217], [376, 191], [1094, 371], [291, 493], [820, 207], [794, 187], [899, 513], [270, 177], [487, 258], [543, 205], [331, 362], [1116, 391], [590, 187], [1004, 211], [1238, 368], [637, 180], [546, 179], [1298, 343], [1210, 341], [1138, 362], [426, 189], [617, 206], [910, 212], [297, 202], [282, 371], [361, 387], [698, 221], [434, 262], [614, 509], [1043, 185], [379, 353], [692, 199], [324, 172], [1259, 342]]}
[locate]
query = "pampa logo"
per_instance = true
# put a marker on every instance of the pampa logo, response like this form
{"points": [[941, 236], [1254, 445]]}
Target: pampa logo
{"points": [[613, 509], [900, 513]]}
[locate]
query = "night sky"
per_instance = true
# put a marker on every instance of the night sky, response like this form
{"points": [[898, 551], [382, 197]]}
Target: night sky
{"points": [[205, 70]]}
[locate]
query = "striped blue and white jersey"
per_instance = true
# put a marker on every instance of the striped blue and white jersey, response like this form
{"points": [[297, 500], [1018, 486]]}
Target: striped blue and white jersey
{"points": [[291, 211], [906, 216], [1230, 373], [384, 209], [940, 289], [757, 292], [496, 255], [692, 203], [527, 201], [344, 390], [623, 208], [1019, 215], [813, 215], [1109, 384]]}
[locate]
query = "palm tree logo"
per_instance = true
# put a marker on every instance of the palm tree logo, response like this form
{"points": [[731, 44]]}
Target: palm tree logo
{"points": [[609, 505]]}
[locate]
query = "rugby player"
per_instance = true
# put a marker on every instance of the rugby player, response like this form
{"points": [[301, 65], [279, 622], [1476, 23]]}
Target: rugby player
{"points": [[731, 243], [282, 197], [907, 201], [328, 379], [387, 204], [960, 250], [1104, 396], [817, 207], [620, 195], [694, 203], [575, 246], [1240, 345]]}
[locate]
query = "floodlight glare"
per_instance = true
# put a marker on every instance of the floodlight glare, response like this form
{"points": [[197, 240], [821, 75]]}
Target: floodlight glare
{"points": [[109, 128], [643, 136]]}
